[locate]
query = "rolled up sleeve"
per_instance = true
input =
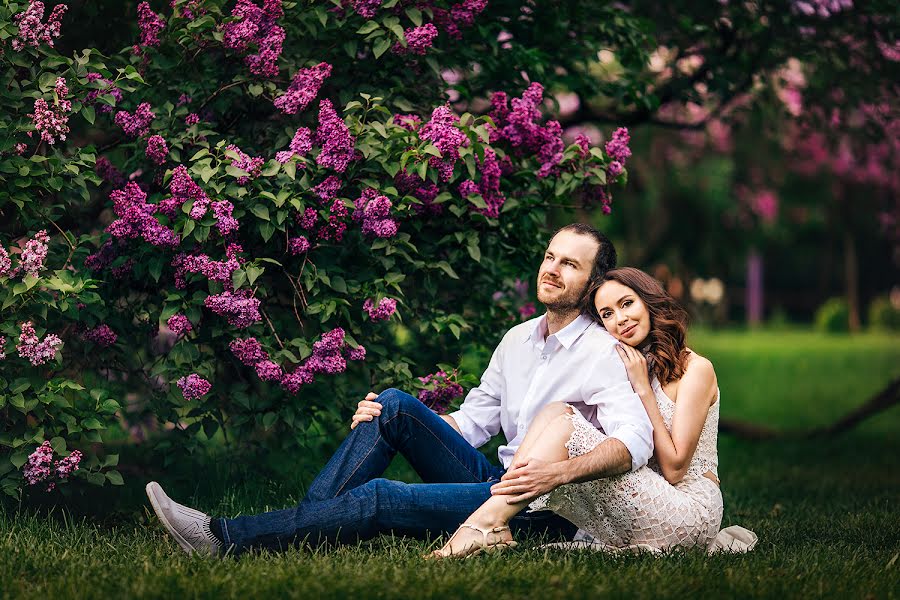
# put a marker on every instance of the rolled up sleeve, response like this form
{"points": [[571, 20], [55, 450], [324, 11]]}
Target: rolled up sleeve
{"points": [[619, 410], [478, 418]]}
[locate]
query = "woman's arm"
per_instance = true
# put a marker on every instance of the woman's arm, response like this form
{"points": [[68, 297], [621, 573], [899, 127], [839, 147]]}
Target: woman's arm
{"points": [[674, 450]]}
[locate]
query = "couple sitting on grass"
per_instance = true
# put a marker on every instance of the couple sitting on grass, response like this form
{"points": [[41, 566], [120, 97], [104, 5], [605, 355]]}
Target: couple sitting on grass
{"points": [[611, 424]]}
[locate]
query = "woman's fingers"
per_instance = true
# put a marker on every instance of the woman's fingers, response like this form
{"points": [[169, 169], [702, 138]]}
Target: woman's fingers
{"points": [[371, 396]]}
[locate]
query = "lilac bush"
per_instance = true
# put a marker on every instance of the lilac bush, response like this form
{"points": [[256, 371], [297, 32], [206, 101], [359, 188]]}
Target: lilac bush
{"points": [[229, 241]]}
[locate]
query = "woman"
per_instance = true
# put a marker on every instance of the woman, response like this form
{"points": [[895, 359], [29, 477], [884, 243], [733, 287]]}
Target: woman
{"points": [[676, 501]]}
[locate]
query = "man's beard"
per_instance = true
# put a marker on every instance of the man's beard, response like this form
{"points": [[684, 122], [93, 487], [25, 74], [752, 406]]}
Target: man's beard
{"points": [[565, 304]]}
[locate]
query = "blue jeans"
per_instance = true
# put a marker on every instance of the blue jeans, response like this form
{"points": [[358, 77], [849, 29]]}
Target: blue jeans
{"points": [[348, 501]]}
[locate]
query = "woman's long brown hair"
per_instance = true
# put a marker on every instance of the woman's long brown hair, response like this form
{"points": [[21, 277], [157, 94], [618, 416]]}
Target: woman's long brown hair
{"points": [[665, 345]]}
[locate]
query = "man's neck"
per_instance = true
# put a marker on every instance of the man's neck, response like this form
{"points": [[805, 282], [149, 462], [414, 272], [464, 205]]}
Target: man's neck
{"points": [[557, 321]]}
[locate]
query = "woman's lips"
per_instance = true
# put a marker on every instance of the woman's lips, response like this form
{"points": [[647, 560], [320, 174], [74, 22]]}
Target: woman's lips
{"points": [[629, 331]]}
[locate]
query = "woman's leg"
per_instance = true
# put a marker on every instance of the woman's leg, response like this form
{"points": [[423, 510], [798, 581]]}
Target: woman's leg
{"points": [[545, 440]]}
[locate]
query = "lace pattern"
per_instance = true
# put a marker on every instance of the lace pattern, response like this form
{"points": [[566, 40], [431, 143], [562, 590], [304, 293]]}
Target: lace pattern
{"points": [[640, 509]]}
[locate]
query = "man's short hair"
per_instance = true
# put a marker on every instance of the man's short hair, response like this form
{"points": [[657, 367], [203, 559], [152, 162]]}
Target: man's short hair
{"points": [[606, 254]]}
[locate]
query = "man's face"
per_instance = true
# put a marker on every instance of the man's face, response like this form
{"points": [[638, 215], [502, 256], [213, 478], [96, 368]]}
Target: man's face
{"points": [[564, 274]]}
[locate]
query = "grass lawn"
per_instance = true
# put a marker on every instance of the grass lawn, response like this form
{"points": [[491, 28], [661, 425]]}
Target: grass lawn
{"points": [[827, 512]]}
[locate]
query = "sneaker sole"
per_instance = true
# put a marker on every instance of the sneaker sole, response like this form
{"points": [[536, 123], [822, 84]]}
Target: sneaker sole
{"points": [[185, 545]]}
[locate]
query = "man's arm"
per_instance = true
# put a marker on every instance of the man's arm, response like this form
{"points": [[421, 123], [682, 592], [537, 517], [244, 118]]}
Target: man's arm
{"points": [[452, 422], [478, 418]]}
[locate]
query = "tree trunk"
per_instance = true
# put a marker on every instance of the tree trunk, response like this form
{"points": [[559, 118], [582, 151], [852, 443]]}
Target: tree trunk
{"points": [[851, 279]]}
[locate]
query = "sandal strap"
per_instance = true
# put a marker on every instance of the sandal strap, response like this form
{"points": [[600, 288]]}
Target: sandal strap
{"points": [[484, 532]]}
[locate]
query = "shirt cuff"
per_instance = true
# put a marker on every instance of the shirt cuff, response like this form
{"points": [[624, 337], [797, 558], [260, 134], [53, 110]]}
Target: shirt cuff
{"points": [[470, 430], [639, 449]]}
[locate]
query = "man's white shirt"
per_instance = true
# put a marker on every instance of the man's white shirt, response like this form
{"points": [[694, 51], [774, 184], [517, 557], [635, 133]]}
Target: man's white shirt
{"points": [[577, 365]]}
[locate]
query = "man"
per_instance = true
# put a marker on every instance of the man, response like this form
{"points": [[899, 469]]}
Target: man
{"points": [[560, 356]]}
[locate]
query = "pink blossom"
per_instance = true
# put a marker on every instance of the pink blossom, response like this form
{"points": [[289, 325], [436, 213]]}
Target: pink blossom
{"points": [[293, 381], [334, 138], [193, 386], [257, 25], [151, 24], [418, 40], [225, 223], [442, 132], [328, 188], [136, 218], [298, 245], [53, 122], [424, 191], [617, 148], [527, 310], [358, 353], [32, 32], [307, 219], [244, 162], [240, 308], [366, 8], [108, 88], [5, 262], [300, 145], [37, 468], [31, 347], [20, 148], [102, 335], [109, 173], [303, 89], [374, 210], [137, 124], [614, 169], [2, 346], [334, 229], [488, 187], [157, 149], [179, 324], [268, 370], [443, 389], [192, 119], [68, 465], [383, 311], [249, 351], [213, 270], [408, 122], [35, 253]]}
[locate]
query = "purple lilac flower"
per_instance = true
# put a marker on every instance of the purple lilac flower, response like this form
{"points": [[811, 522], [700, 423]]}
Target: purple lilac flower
{"points": [[614, 169], [239, 308], [326, 355], [193, 386], [68, 465], [461, 15], [358, 353], [303, 89], [103, 257], [225, 223], [53, 122], [488, 187], [408, 122], [300, 145], [268, 370], [151, 24], [307, 219], [34, 254], [617, 148], [34, 33], [138, 124], [442, 132], [244, 162], [418, 40], [334, 229], [31, 347], [257, 25], [20, 148], [102, 335], [298, 245], [213, 270], [292, 382], [248, 351], [444, 390], [179, 324], [37, 468], [190, 10], [109, 88], [374, 210], [329, 187], [425, 191], [366, 8], [192, 119], [107, 172], [186, 189], [5, 262], [136, 218], [183, 99], [2, 346], [334, 138], [584, 145], [157, 149], [527, 310], [383, 311]]}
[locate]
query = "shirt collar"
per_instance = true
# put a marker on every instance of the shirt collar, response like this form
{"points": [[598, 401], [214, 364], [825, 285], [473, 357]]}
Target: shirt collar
{"points": [[566, 336]]}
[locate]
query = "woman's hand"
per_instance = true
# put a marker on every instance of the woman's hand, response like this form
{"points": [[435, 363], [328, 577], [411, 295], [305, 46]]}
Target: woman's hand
{"points": [[636, 367]]}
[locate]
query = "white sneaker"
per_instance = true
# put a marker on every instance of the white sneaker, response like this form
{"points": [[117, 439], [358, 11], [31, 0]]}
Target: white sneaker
{"points": [[189, 527]]}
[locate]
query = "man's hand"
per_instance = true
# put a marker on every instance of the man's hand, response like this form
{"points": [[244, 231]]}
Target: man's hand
{"points": [[366, 410], [529, 478]]}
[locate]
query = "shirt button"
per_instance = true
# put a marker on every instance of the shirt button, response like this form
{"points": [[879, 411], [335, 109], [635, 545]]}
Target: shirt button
{"points": [[543, 357]]}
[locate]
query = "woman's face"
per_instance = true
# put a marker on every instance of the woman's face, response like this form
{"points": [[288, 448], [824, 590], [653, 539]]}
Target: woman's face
{"points": [[623, 313]]}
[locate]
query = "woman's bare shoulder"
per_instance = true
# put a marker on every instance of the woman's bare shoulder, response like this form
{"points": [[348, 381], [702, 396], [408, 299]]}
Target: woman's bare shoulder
{"points": [[700, 369]]}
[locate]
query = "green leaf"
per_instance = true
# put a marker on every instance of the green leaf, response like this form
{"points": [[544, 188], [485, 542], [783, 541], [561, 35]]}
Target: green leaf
{"points": [[474, 252], [446, 268], [188, 228], [368, 28], [266, 230], [92, 423], [269, 419], [89, 114], [238, 278], [18, 459], [381, 46], [115, 478], [200, 154], [261, 211], [253, 272], [415, 15]]}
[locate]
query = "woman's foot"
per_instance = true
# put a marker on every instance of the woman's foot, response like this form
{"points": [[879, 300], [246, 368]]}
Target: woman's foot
{"points": [[470, 540]]}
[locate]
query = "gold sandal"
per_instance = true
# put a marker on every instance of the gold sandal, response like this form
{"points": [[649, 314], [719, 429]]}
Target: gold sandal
{"points": [[477, 547]]}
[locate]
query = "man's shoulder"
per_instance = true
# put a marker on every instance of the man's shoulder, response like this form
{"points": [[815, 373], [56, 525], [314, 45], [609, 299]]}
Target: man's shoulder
{"points": [[595, 336], [522, 331]]}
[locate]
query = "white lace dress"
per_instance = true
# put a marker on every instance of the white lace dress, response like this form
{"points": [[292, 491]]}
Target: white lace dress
{"points": [[640, 509]]}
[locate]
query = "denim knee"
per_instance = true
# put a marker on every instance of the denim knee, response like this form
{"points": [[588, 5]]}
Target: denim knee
{"points": [[393, 400]]}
